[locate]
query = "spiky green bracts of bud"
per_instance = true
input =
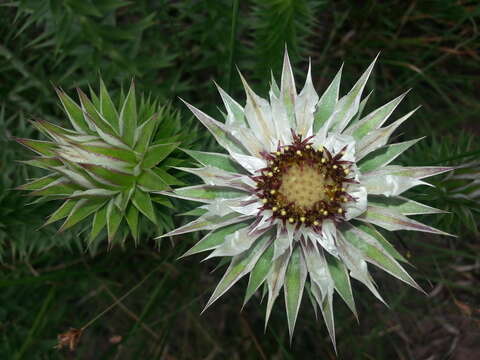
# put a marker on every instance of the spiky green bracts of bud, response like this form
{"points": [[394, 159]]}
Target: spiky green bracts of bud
{"points": [[108, 166]]}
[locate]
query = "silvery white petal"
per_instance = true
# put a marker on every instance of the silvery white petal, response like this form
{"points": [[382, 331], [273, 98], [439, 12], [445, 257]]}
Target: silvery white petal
{"points": [[259, 117], [318, 269], [326, 106], [288, 91], [281, 121], [305, 106], [236, 243], [327, 238], [336, 142], [281, 243], [389, 185], [219, 130], [347, 106], [248, 206], [352, 257], [417, 172], [379, 137], [275, 280], [235, 113], [356, 208], [375, 119], [250, 163]]}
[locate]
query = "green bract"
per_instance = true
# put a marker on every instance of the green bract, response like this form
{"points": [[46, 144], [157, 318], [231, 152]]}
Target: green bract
{"points": [[107, 166]]}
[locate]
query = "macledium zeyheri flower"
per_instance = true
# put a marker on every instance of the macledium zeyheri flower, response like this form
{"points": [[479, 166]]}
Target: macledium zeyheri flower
{"points": [[294, 200]]}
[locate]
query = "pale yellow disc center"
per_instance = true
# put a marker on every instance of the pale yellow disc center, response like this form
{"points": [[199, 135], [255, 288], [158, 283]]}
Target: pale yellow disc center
{"points": [[304, 186]]}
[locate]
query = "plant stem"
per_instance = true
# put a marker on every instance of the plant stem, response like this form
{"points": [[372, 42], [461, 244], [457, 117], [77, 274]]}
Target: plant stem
{"points": [[233, 35]]}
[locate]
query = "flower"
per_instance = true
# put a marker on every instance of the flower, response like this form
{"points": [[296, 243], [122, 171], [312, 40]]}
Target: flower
{"points": [[108, 165], [295, 198]]}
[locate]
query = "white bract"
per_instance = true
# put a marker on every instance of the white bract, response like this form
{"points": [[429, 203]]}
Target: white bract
{"points": [[300, 167]]}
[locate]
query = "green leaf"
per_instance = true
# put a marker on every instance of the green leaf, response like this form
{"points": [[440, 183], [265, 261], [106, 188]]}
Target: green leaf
{"points": [[221, 161], [143, 202], [347, 106], [214, 239], [112, 152], [375, 119], [150, 181], [393, 221], [114, 218], [45, 148], [259, 273], [92, 114], [162, 200], [74, 113], [167, 178], [377, 254], [128, 117], [293, 288], [239, 267], [40, 183], [370, 230], [327, 102], [157, 153], [80, 211], [60, 189], [403, 205], [108, 176], [43, 163], [107, 108], [205, 193], [339, 274], [132, 220], [384, 155], [61, 212], [99, 222], [144, 134]]}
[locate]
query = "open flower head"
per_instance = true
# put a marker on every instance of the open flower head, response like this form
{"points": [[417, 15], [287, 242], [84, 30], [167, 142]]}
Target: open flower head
{"points": [[294, 201], [107, 165]]}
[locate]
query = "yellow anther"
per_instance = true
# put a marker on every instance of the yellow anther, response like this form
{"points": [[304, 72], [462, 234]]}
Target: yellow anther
{"points": [[283, 212], [340, 210], [302, 219], [307, 147], [299, 152], [270, 174], [274, 208], [344, 199], [278, 153], [320, 148], [335, 166], [264, 201], [325, 212], [323, 161], [346, 171], [273, 192], [291, 220], [343, 189], [316, 223]]}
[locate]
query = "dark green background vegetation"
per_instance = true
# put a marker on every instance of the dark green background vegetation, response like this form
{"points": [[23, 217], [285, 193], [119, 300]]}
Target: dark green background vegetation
{"points": [[49, 283]]}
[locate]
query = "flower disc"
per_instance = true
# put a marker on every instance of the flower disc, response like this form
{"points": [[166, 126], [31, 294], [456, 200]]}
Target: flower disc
{"points": [[303, 184]]}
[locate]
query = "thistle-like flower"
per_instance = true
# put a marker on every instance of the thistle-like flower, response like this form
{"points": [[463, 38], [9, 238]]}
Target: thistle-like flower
{"points": [[295, 198], [108, 165]]}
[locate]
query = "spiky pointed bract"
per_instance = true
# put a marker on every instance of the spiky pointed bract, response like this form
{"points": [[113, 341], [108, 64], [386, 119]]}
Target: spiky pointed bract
{"points": [[296, 199], [108, 166]]}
